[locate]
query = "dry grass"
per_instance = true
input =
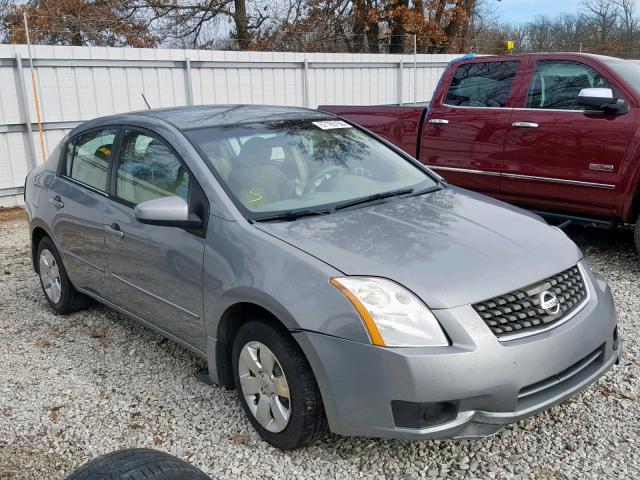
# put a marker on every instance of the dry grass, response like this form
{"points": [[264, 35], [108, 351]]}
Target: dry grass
{"points": [[12, 214]]}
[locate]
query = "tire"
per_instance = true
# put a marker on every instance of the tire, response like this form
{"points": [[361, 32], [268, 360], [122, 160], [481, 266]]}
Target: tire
{"points": [[137, 464], [307, 421], [636, 235], [67, 299]]}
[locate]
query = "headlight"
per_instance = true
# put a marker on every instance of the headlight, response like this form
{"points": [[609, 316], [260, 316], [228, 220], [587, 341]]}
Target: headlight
{"points": [[392, 315]]}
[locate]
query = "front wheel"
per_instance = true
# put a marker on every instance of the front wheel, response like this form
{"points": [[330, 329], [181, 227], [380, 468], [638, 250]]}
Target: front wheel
{"points": [[276, 387]]}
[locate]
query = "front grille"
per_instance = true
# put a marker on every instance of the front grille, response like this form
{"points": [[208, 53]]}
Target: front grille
{"points": [[520, 311]]}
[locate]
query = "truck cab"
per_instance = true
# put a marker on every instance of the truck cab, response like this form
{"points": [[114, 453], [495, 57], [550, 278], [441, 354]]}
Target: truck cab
{"points": [[556, 133]]}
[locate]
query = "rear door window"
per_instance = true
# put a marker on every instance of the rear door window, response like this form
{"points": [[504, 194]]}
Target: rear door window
{"points": [[88, 158], [556, 84], [482, 84]]}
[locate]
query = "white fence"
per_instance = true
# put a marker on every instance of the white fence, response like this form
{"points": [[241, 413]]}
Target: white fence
{"points": [[80, 83]]}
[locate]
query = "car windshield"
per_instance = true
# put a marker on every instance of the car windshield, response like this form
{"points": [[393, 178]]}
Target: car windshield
{"points": [[630, 72], [289, 166]]}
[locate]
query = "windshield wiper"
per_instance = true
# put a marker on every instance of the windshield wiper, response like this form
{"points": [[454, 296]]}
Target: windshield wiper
{"points": [[424, 191], [291, 215], [373, 198]]}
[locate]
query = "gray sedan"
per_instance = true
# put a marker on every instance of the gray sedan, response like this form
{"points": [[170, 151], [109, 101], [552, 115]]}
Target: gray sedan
{"points": [[334, 281]]}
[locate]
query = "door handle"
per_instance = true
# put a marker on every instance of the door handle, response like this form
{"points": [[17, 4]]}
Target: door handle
{"points": [[56, 201], [439, 121], [114, 229], [525, 124]]}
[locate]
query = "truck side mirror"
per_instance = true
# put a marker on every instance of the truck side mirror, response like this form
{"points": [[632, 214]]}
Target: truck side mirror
{"points": [[602, 100]]}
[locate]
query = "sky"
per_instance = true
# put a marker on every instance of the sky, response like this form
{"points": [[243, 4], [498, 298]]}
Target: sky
{"points": [[526, 10]]}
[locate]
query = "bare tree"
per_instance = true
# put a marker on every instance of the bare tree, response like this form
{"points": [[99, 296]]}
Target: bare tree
{"points": [[628, 23], [603, 14]]}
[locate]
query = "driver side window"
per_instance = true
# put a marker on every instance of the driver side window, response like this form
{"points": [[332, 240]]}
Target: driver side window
{"points": [[148, 169], [556, 84]]}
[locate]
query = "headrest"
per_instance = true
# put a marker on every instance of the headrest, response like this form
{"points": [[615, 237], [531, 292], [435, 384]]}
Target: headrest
{"points": [[255, 151]]}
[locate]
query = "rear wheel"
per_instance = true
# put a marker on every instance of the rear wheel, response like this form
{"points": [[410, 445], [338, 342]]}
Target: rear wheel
{"points": [[137, 464], [55, 283], [276, 387]]}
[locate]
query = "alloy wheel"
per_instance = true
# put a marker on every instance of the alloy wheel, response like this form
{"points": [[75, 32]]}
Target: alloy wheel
{"points": [[50, 276], [264, 386]]}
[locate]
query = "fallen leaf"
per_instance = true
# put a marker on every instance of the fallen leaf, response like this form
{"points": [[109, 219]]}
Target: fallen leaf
{"points": [[44, 343], [97, 332], [157, 440], [239, 439], [54, 414]]}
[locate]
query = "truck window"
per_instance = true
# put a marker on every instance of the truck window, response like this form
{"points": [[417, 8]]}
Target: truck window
{"points": [[485, 84], [556, 84]]}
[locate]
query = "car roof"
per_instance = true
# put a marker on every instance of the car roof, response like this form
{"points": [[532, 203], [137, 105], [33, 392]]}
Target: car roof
{"points": [[199, 116]]}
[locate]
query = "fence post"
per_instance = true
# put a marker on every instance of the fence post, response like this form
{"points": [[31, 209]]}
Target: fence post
{"points": [[189, 82], [26, 114], [415, 69], [305, 83], [400, 81]]}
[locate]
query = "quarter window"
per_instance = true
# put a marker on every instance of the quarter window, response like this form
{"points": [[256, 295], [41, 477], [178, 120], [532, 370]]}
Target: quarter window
{"points": [[484, 84], [557, 84], [149, 169], [87, 158]]}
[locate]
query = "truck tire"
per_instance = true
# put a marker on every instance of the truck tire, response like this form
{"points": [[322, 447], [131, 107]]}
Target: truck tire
{"points": [[137, 464]]}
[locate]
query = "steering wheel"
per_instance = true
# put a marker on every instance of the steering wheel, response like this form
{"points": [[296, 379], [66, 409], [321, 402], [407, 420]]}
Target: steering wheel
{"points": [[327, 173]]}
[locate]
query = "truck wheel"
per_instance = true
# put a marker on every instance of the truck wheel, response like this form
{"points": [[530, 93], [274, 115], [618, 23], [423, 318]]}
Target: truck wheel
{"points": [[55, 283], [137, 464], [276, 387]]}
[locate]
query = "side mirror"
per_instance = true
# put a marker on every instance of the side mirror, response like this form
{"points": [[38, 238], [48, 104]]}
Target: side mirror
{"points": [[170, 211], [602, 100]]}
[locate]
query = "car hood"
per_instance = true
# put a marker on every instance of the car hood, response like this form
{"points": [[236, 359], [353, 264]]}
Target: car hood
{"points": [[451, 247]]}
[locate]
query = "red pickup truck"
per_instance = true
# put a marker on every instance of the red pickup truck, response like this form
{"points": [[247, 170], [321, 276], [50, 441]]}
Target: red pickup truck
{"points": [[555, 133]]}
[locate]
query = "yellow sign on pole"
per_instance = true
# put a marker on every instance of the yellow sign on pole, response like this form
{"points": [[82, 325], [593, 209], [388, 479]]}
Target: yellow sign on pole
{"points": [[511, 45]]}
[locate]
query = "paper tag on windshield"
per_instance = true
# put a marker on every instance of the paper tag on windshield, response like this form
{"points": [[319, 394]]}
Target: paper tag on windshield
{"points": [[331, 124]]}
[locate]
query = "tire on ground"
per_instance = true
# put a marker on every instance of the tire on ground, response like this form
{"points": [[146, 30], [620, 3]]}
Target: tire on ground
{"points": [[71, 300], [137, 464], [308, 422]]}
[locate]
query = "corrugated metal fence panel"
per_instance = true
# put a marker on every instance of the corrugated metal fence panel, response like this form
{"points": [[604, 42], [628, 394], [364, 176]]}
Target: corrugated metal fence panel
{"points": [[80, 83]]}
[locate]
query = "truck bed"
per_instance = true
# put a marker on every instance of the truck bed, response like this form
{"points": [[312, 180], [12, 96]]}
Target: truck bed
{"points": [[399, 125]]}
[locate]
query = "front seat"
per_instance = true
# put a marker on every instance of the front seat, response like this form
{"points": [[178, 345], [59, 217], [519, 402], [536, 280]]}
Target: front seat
{"points": [[254, 180]]}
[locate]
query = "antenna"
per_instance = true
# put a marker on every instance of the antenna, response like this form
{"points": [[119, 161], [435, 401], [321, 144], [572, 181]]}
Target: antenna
{"points": [[145, 100]]}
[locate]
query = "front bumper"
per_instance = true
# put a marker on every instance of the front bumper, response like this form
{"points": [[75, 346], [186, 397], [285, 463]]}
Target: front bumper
{"points": [[491, 383]]}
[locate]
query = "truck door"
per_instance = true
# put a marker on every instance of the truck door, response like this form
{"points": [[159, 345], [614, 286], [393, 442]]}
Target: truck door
{"points": [[559, 156], [463, 138]]}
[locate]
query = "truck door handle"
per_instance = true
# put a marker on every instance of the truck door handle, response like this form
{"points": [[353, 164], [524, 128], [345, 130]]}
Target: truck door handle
{"points": [[114, 229], [439, 121], [56, 201], [525, 124]]}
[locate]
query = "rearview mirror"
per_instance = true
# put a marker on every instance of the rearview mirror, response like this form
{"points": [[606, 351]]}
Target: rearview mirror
{"points": [[170, 211], [602, 99]]}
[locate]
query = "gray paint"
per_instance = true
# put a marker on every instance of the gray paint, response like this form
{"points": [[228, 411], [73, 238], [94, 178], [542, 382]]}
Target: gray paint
{"points": [[452, 248], [164, 209]]}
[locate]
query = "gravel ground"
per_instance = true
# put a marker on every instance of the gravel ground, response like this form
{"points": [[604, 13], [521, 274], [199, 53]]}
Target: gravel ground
{"points": [[75, 387]]}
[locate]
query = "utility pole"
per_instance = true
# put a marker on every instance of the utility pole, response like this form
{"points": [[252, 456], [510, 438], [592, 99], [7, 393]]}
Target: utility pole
{"points": [[34, 84]]}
